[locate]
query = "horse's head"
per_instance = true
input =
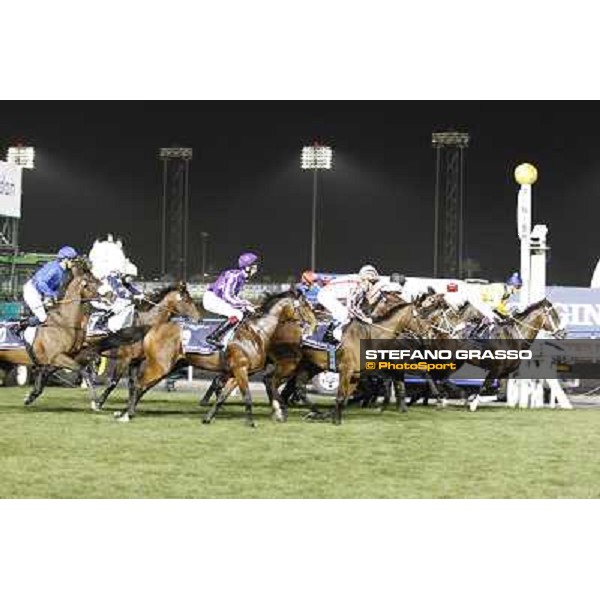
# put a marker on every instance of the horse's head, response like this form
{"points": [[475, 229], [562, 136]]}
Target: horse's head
{"points": [[290, 305], [83, 284], [552, 323], [388, 301], [178, 302]]}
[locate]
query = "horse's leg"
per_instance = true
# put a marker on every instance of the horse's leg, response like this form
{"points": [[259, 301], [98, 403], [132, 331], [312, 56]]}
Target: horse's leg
{"points": [[400, 393], [41, 377], [241, 377], [112, 384], [215, 387], [224, 393], [147, 375], [387, 394], [475, 402], [348, 383], [439, 401]]}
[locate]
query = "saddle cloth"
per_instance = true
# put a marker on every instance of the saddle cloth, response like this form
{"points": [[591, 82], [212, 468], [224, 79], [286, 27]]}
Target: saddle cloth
{"points": [[316, 342], [193, 336], [10, 339], [95, 326]]}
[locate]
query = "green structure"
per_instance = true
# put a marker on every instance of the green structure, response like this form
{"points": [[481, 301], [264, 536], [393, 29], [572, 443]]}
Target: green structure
{"points": [[15, 270]]}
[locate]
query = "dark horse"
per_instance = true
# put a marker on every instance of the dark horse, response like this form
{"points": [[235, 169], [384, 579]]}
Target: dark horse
{"points": [[58, 341], [245, 354]]}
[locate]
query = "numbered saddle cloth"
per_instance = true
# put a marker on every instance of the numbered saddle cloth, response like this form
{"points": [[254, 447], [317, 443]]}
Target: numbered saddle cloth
{"points": [[97, 324], [316, 341], [193, 336], [9, 338]]}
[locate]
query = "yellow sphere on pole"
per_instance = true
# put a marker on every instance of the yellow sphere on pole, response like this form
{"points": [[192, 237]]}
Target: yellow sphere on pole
{"points": [[526, 174]]}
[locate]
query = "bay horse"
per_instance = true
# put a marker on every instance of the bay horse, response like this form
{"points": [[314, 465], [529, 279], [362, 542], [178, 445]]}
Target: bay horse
{"points": [[245, 354], [60, 338], [154, 310]]}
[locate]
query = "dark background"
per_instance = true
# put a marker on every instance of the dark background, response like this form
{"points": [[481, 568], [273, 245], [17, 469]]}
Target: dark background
{"points": [[97, 171]]}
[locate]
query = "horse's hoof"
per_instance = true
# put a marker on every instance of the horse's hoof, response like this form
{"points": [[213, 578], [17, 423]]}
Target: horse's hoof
{"points": [[206, 421], [473, 406], [124, 418], [28, 401], [95, 406]]}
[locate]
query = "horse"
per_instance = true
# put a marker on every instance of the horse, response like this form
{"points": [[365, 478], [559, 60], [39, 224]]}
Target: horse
{"points": [[401, 320], [245, 354], [523, 326], [154, 310], [60, 338]]}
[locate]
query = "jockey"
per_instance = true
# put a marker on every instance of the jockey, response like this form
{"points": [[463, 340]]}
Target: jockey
{"points": [[121, 312], [344, 296], [43, 287], [493, 300], [223, 296], [309, 286], [395, 284]]}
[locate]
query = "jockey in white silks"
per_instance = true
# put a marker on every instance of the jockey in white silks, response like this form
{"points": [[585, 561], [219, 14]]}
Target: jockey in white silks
{"points": [[115, 270], [344, 296]]}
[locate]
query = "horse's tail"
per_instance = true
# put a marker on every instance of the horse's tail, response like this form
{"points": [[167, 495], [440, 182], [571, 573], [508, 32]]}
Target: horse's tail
{"points": [[123, 337]]}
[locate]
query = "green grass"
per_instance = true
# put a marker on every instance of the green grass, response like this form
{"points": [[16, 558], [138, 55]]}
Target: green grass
{"points": [[58, 448]]}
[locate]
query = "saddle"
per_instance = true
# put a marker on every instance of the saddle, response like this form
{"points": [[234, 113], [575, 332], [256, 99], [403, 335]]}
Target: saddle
{"points": [[194, 336], [321, 339]]}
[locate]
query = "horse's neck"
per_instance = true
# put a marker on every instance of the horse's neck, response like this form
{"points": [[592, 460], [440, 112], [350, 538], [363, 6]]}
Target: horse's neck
{"points": [[266, 325], [531, 324], [157, 315], [70, 311], [401, 319]]}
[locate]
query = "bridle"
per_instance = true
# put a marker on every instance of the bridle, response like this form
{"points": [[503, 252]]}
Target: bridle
{"points": [[548, 318]]}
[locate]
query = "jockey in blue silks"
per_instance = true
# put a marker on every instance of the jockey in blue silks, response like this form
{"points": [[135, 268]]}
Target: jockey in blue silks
{"points": [[43, 287], [223, 296]]}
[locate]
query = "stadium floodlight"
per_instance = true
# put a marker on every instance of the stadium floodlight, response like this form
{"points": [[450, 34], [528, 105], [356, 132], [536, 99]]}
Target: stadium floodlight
{"points": [[450, 138], [315, 158], [24, 156], [183, 153]]}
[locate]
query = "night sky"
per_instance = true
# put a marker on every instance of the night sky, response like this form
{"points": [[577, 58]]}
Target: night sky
{"points": [[97, 171]]}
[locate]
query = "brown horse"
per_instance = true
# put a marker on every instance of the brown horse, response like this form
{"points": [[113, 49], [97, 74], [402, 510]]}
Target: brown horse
{"points": [[155, 310], [399, 321], [245, 354], [61, 337]]}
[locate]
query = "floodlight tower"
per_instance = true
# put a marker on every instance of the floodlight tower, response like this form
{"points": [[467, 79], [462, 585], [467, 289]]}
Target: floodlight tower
{"points": [[316, 158], [175, 211], [449, 199]]}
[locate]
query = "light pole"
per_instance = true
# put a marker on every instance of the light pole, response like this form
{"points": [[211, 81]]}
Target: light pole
{"points": [[175, 210], [525, 175], [204, 239], [315, 158]]}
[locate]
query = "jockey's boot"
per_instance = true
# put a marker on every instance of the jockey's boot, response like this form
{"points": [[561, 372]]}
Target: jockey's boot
{"points": [[23, 324], [102, 322], [329, 336], [217, 335]]}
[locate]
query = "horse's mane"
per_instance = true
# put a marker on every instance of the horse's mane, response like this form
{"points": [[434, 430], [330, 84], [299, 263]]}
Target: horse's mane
{"points": [[270, 299], [527, 311], [401, 304], [158, 295]]}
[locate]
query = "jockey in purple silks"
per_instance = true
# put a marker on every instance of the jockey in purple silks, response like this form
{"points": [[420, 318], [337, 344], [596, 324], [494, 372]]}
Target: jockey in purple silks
{"points": [[223, 296]]}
